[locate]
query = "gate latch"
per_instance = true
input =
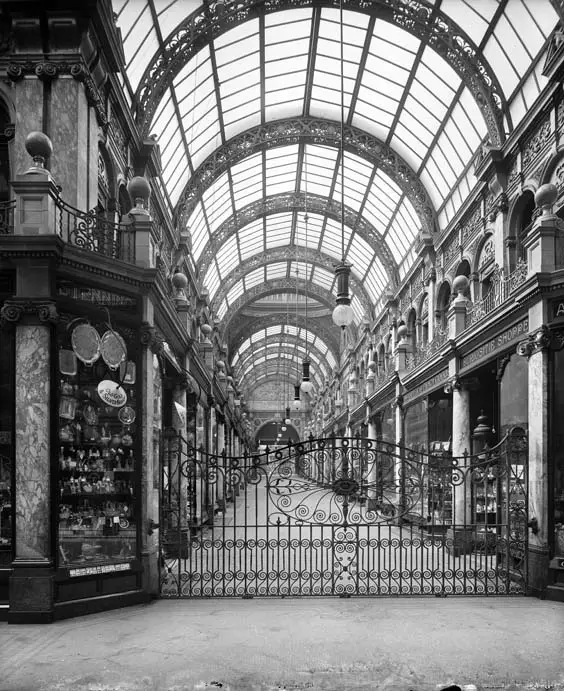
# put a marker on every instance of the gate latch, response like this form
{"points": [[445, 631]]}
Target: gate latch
{"points": [[152, 526]]}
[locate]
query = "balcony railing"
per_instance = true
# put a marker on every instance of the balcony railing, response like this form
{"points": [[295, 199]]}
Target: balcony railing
{"points": [[7, 210], [91, 231], [424, 351], [500, 290]]}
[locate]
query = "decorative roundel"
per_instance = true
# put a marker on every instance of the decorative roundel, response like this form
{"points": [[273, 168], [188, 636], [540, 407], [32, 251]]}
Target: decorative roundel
{"points": [[85, 342], [113, 349]]}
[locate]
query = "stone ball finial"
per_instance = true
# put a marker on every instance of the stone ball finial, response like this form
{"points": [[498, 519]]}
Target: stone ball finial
{"points": [[206, 329], [179, 280], [39, 147], [546, 196], [460, 285], [402, 332], [139, 190]]}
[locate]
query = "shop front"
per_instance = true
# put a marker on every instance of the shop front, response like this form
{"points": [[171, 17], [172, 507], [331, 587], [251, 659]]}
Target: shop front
{"points": [[97, 503]]}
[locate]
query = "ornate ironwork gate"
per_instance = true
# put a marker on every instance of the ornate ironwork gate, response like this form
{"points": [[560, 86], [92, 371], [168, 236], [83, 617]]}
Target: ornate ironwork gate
{"points": [[343, 516]]}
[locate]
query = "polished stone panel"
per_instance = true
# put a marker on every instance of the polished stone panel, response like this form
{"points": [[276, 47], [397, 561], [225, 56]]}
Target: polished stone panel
{"points": [[29, 108], [32, 474], [71, 142]]}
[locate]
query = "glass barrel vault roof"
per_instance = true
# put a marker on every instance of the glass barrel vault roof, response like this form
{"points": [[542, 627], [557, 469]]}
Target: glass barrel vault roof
{"points": [[281, 64]]}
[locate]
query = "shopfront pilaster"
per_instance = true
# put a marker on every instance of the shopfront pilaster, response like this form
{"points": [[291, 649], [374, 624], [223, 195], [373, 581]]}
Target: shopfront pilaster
{"points": [[535, 349]]}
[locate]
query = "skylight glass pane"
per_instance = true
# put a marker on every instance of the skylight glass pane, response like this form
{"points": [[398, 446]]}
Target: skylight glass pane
{"points": [[376, 279], [251, 239], [217, 202], [360, 255], [278, 270], [221, 312], [198, 230], [278, 230], [281, 169], [212, 280], [254, 278], [323, 278], [235, 292], [357, 309], [314, 228], [228, 256]]}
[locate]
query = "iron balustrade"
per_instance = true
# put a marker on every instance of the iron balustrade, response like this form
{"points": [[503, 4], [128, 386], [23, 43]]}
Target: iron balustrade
{"points": [[500, 290], [7, 210], [424, 351], [91, 231]]}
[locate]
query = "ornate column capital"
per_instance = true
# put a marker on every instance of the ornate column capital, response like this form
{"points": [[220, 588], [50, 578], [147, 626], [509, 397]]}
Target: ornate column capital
{"points": [[150, 339], [40, 310]]}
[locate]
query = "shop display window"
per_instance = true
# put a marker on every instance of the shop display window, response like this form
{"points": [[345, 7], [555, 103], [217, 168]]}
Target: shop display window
{"points": [[97, 445]]}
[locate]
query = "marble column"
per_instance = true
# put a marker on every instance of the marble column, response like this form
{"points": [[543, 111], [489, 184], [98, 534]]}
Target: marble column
{"points": [[431, 292], [149, 499], [373, 462], [461, 532], [180, 477], [31, 582], [221, 451], [539, 452]]}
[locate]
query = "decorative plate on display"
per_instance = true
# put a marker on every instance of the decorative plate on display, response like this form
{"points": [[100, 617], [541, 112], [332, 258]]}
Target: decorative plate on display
{"points": [[86, 343], [67, 362], [90, 414], [113, 349], [126, 415]]}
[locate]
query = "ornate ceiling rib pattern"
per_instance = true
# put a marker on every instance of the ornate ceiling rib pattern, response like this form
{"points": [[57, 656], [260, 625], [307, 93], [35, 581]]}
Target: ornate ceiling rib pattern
{"points": [[244, 98]]}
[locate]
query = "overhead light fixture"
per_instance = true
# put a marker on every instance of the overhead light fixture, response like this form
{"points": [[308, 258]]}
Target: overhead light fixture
{"points": [[307, 385], [297, 403], [343, 314], [287, 419]]}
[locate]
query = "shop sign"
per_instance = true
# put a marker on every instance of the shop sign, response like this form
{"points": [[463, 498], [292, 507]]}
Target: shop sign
{"points": [[497, 344], [111, 393], [427, 386], [101, 569], [557, 310]]}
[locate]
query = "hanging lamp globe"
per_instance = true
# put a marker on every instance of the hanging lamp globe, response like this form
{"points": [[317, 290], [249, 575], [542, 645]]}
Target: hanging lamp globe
{"points": [[306, 386], [343, 314]]}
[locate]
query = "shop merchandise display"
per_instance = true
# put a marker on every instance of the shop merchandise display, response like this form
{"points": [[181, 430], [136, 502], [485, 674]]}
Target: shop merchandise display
{"points": [[97, 464]]}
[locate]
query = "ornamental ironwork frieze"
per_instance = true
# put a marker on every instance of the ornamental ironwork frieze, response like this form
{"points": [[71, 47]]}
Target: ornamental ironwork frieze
{"points": [[429, 24], [318, 131], [44, 311], [297, 202], [47, 70]]}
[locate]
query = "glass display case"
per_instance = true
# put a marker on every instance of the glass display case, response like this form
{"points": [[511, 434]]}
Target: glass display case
{"points": [[97, 458]]}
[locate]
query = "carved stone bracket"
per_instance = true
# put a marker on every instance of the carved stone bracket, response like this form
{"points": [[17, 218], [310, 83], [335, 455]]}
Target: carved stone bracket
{"points": [[538, 340], [13, 310], [149, 338]]}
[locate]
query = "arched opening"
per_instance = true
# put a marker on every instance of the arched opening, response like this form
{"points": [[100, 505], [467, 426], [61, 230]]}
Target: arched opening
{"points": [[272, 434], [523, 216], [443, 302]]}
